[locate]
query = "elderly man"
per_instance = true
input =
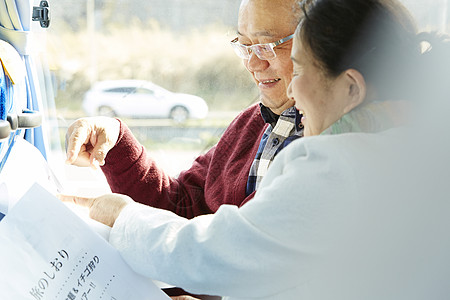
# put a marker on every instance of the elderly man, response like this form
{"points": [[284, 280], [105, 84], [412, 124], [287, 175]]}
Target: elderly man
{"points": [[230, 172]]}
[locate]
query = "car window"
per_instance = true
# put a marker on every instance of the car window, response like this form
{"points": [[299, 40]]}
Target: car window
{"points": [[124, 90], [144, 91]]}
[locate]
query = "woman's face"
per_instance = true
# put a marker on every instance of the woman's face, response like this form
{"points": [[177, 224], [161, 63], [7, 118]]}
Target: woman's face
{"points": [[323, 99]]}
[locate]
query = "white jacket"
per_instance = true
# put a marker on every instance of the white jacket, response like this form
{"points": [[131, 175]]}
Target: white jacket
{"points": [[350, 216]]}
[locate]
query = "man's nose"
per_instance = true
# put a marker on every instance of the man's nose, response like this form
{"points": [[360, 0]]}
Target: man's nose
{"points": [[254, 63]]}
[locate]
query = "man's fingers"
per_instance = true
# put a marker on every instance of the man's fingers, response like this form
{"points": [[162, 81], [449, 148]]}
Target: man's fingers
{"points": [[100, 150], [88, 140], [75, 139], [82, 201]]}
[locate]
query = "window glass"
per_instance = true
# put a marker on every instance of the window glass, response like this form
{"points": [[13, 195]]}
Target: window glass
{"points": [[144, 91], [179, 45], [430, 15], [121, 90]]}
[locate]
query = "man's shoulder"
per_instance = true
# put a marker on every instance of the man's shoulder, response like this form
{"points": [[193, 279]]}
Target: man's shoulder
{"points": [[246, 128], [249, 116], [254, 109]]}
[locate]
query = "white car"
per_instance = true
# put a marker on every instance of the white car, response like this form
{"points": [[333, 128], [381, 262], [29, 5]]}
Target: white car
{"points": [[141, 99]]}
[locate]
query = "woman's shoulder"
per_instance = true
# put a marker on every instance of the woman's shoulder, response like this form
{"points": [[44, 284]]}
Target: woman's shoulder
{"points": [[341, 149]]}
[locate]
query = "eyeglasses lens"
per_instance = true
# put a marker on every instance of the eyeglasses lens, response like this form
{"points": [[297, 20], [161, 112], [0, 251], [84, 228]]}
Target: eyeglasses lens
{"points": [[264, 51], [241, 51]]}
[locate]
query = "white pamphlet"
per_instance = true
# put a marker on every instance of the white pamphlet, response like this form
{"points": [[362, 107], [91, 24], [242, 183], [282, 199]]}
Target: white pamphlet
{"points": [[48, 253]]}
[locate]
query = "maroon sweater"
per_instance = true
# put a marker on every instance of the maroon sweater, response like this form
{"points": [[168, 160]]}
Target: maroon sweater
{"points": [[215, 178]]}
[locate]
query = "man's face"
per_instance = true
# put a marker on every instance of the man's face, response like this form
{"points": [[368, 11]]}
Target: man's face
{"points": [[267, 21]]}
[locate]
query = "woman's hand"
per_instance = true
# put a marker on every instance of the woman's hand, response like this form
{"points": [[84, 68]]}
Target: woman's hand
{"points": [[183, 298], [104, 209]]}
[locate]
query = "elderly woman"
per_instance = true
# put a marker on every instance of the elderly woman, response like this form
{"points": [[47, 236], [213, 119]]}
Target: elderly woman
{"points": [[338, 216]]}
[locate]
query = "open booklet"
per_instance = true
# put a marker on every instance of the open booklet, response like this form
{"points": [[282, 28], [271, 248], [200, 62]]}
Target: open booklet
{"points": [[52, 250], [48, 252]]}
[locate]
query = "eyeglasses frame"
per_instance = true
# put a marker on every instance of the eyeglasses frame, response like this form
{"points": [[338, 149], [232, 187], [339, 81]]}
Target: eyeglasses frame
{"points": [[272, 45]]}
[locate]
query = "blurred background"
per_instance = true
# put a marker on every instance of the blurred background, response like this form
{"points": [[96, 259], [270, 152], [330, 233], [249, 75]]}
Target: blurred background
{"points": [[179, 45], [182, 46]]}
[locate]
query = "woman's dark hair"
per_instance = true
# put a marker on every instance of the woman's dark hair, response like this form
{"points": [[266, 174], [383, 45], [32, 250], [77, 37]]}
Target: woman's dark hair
{"points": [[376, 37]]}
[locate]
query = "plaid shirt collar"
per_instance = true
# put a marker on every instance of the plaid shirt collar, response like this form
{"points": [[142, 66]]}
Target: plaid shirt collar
{"points": [[271, 118]]}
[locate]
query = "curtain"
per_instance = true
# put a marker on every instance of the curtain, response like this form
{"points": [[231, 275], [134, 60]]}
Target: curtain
{"points": [[28, 38]]}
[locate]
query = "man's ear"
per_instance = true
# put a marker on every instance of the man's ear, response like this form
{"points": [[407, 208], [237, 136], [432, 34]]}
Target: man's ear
{"points": [[355, 89]]}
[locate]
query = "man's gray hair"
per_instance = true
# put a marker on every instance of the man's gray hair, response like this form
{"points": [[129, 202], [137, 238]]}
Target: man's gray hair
{"points": [[298, 9]]}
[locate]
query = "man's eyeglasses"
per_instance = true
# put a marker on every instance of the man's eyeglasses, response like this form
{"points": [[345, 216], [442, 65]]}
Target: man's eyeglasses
{"points": [[263, 51]]}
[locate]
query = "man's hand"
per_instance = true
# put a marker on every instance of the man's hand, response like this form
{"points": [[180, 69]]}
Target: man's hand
{"points": [[88, 140], [183, 298], [104, 209]]}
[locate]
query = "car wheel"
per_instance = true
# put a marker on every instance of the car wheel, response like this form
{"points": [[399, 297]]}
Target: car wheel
{"points": [[179, 114], [106, 111]]}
